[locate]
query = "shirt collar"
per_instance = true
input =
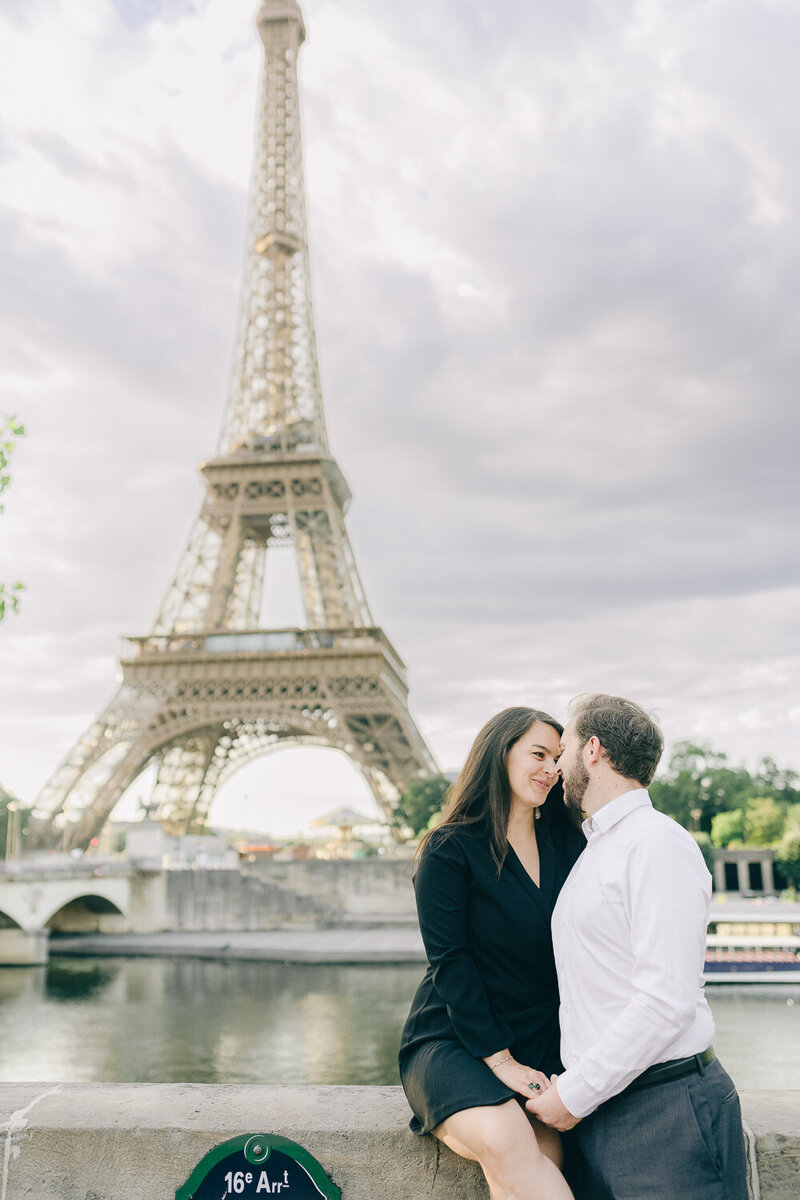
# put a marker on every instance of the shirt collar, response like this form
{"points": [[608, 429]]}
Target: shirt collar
{"points": [[613, 812]]}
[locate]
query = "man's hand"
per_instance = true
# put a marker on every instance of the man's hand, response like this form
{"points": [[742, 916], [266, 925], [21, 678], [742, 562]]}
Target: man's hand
{"points": [[550, 1110]]}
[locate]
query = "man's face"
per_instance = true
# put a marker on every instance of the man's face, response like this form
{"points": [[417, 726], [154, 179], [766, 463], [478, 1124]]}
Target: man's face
{"points": [[573, 770]]}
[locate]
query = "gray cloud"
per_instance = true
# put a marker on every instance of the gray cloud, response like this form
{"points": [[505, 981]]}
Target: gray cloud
{"points": [[554, 252], [636, 385]]}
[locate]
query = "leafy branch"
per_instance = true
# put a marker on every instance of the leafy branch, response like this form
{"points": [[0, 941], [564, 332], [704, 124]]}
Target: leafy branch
{"points": [[10, 430]]}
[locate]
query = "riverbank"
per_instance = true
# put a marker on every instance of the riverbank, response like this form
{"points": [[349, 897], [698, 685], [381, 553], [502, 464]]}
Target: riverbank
{"points": [[394, 943], [380, 941]]}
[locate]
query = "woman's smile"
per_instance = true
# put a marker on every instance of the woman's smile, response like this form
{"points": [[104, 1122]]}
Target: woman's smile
{"points": [[537, 752]]}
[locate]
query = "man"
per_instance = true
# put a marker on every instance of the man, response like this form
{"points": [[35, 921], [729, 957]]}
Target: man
{"points": [[655, 1115]]}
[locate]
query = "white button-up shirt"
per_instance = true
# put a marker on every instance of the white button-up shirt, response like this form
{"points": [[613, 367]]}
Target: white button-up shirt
{"points": [[629, 932]]}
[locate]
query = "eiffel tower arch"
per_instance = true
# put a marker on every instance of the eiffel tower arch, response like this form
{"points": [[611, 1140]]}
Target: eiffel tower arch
{"points": [[208, 689]]}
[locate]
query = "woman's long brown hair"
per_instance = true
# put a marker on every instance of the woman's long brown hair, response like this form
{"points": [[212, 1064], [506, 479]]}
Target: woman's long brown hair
{"points": [[480, 798]]}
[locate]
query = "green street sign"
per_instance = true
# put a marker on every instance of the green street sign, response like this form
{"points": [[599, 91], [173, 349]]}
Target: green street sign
{"points": [[258, 1165]]}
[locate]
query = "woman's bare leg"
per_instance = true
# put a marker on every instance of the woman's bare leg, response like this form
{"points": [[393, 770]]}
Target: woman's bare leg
{"points": [[506, 1144], [549, 1141]]}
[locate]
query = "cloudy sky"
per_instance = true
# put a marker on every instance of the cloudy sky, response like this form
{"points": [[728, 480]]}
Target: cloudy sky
{"points": [[555, 262]]}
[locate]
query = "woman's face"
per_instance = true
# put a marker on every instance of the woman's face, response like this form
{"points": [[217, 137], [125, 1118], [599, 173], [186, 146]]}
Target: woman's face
{"points": [[531, 765]]}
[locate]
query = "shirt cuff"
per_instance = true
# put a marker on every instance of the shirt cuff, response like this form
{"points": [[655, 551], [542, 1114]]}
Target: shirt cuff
{"points": [[576, 1094]]}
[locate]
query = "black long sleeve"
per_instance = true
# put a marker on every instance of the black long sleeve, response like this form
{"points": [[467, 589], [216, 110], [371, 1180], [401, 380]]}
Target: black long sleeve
{"points": [[442, 884]]}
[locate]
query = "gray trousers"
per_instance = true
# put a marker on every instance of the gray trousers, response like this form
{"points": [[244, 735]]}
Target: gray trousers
{"points": [[680, 1140]]}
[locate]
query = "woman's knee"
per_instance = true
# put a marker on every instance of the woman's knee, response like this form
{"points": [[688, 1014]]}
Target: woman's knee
{"points": [[489, 1134]]}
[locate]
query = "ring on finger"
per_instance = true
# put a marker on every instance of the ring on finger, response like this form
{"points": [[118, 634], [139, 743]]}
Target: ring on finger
{"points": [[535, 1087]]}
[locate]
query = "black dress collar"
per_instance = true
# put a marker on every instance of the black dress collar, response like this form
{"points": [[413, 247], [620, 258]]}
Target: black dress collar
{"points": [[544, 893]]}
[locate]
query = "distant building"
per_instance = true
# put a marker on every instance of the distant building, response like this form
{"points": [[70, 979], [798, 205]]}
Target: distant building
{"points": [[147, 843], [744, 870]]}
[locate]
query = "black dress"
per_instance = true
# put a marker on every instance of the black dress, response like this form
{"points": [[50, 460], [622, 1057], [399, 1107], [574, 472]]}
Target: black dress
{"points": [[491, 981]]}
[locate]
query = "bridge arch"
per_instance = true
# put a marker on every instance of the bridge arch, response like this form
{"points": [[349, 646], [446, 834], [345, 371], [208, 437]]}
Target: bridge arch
{"points": [[8, 922], [32, 902], [86, 913]]}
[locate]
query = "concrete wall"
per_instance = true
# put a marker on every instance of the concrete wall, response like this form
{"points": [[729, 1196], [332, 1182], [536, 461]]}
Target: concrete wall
{"points": [[272, 895], [126, 1141], [354, 889], [21, 948], [147, 902], [227, 900]]}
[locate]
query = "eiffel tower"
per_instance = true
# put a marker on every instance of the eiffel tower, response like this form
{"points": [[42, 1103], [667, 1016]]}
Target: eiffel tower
{"points": [[208, 690]]}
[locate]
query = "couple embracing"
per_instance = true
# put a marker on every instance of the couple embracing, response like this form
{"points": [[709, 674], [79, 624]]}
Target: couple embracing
{"points": [[561, 1037]]}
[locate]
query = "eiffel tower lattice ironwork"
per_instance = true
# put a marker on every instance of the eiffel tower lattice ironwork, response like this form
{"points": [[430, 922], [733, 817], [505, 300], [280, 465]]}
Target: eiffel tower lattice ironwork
{"points": [[208, 690]]}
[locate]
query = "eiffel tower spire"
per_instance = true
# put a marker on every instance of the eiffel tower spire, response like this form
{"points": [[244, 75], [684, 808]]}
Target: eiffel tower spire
{"points": [[275, 398], [274, 413], [209, 689]]}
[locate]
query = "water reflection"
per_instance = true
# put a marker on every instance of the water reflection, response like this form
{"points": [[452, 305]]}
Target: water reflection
{"points": [[758, 1034], [161, 1020], [19, 982], [69, 981]]}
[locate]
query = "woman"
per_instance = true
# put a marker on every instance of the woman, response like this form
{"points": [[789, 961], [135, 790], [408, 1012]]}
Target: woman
{"points": [[483, 1033]]}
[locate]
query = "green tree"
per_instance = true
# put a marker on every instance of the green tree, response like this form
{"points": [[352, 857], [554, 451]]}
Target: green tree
{"points": [[787, 858], [697, 784], [764, 820], [792, 819], [10, 430], [782, 783], [420, 801], [22, 815], [706, 849], [727, 828], [759, 823]]}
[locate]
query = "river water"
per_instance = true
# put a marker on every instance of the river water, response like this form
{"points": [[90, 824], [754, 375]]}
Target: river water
{"points": [[152, 1020]]}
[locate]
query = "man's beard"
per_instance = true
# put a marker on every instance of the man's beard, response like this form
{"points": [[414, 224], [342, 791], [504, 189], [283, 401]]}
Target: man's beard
{"points": [[575, 785]]}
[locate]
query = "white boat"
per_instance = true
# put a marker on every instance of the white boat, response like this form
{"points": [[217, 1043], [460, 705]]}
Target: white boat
{"points": [[734, 957]]}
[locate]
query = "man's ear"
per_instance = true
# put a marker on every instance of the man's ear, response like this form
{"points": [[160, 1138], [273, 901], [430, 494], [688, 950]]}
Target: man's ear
{"points": [[595, 750]]}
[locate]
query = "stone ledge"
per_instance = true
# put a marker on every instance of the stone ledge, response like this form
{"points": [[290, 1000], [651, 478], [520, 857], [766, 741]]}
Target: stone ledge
{"points": [[772, 1123], [126, 1141]]}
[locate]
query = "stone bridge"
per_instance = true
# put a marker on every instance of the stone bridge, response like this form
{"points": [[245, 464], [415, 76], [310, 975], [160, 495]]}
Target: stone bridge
{"points": [[143, 896], [34, 902]]}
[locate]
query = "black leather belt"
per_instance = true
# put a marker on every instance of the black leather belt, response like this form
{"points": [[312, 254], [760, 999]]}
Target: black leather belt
{"points": [[674, 1069]]}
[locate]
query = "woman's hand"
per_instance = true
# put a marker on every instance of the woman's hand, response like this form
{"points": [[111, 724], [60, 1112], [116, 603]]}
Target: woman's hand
{"points": [[551, 1110], [519, 1077]]}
